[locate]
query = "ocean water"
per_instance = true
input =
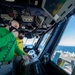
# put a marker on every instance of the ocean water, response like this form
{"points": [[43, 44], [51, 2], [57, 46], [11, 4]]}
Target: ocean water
{"points": [[70, 49]]}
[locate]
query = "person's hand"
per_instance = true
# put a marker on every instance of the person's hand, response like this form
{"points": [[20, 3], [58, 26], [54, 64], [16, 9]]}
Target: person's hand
{"points": [[26, 57], [15, 33], [30, 57]]}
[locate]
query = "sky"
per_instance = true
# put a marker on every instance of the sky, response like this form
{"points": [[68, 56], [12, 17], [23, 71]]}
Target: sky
{"points": [[68, 37]]}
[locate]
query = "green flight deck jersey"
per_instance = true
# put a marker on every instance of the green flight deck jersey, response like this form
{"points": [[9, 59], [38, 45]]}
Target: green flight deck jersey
{"points": [[8, 45]]}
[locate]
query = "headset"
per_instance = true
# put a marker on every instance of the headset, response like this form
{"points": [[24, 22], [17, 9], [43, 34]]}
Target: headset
{"points": [[11, 27]]}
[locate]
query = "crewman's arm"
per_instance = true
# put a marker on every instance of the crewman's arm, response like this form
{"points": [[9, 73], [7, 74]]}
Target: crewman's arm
{"points": [[18, 51], [24, 55]]}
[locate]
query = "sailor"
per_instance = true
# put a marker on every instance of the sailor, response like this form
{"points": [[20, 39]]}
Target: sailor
{"points": [[8, 46]]}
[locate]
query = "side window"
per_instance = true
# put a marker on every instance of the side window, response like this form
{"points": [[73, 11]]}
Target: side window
{"points": [[44, 41], [29, 42], [64, 53]]}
